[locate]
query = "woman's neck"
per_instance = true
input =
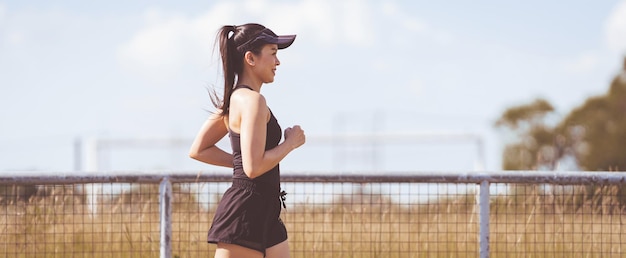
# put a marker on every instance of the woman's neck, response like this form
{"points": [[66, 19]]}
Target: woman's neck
{"points": [[250, 82]]}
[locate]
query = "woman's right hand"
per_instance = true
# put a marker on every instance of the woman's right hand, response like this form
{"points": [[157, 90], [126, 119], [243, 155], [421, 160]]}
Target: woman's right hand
{"points": [[294, 136]]}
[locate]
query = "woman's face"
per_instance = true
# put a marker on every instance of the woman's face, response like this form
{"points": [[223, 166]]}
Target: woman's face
{"points": [[266, 63]]}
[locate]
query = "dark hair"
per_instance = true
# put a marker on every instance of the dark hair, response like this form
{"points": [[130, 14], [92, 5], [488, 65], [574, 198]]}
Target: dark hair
{"points": [[234, 41]]}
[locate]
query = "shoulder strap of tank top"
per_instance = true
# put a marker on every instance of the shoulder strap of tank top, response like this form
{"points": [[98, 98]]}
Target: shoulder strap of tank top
{"points": [[242, 86]]}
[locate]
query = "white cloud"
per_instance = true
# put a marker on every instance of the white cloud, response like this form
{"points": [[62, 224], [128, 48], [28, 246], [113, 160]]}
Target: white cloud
{"points": [[411, 27], [356, 18], [168, 42], [584, 63], [2, 14], [328, 22], [15, 38], [309, 18], [616, 29], [10, 35], [157, 46], [416, 87], [408, 22]]}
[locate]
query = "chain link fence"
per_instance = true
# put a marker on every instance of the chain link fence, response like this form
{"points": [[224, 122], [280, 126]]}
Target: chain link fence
{"points": [[527, 214]]}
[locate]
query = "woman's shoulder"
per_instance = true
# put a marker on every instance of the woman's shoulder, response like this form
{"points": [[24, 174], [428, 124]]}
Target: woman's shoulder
{"points": [[248, 97], [249, 103]]}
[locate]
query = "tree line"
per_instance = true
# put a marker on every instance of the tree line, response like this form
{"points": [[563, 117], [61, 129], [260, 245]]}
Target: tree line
{"points": [[591, 137]]}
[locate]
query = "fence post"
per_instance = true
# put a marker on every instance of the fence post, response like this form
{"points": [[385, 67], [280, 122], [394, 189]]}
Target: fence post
{"points": [[483, 202], [165, 217]]}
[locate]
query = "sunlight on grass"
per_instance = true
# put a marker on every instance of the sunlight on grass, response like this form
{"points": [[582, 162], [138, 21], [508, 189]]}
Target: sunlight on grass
{"points": [[57, 223]]}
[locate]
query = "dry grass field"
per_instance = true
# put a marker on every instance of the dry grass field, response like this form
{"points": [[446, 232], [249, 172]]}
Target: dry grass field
{"points": [[59, 224]]}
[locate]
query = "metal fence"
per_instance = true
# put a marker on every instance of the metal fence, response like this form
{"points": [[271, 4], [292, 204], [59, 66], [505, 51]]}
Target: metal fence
{"points": [[413, 214]]}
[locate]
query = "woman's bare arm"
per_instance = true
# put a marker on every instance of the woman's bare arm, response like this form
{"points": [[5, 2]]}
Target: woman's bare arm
{"points": [[204, 148], [254, 115]]}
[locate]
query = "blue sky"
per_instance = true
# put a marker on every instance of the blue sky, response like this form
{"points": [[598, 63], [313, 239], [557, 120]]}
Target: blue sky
{"points": [[140, 70]]}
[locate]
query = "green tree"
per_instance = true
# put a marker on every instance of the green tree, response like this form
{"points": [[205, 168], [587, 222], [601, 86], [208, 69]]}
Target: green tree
{"points": [[532, 136], [599, 127], [593, 134]]}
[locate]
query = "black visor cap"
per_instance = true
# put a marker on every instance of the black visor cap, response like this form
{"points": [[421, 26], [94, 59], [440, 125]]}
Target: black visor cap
{"points": [[268, 37]]}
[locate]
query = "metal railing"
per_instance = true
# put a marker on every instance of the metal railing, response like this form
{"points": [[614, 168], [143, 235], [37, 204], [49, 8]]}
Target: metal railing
{"points": [[411, 214]]}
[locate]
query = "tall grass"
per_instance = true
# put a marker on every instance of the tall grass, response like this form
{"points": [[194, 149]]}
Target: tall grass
{"points": [[530, 222]]}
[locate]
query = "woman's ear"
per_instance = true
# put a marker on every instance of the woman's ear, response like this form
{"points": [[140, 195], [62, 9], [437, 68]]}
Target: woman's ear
{"points": [[249, 58]]}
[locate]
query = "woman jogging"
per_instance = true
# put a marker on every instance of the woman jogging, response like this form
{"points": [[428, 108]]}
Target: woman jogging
{"points": [[247, 220]]}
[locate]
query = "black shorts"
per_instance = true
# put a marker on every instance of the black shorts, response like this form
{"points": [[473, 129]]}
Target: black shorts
{"points": [[248, 216]]}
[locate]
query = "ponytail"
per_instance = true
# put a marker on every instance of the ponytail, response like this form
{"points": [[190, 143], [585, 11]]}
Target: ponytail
{"points": [[228, 38], [225, 42]]}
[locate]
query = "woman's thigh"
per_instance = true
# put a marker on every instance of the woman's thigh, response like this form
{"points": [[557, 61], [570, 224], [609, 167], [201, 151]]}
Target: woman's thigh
{"points": [[235, 251], [280, 250]]}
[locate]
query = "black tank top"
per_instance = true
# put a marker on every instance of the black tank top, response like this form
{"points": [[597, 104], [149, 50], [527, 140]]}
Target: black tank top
{"points": [[273, 136]]}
